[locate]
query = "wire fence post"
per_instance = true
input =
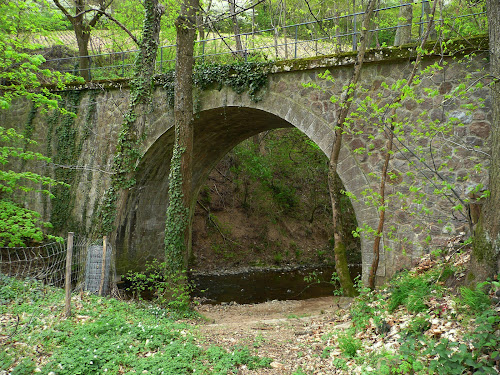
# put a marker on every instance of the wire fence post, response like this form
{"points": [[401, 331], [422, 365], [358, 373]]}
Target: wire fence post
{"points": [[103, 267], [69, 258]]}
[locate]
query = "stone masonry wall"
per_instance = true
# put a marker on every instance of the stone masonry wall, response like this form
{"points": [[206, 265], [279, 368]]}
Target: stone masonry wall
{"points": [[437, 126]]}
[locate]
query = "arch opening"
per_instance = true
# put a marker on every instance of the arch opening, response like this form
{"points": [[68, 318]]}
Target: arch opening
{"points": [[140, 230]]}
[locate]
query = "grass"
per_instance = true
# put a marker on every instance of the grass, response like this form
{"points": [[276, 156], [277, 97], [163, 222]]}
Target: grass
{"points": [[103, 335]]}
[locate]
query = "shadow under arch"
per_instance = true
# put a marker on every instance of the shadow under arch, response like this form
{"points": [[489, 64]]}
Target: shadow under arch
{"points": [[140, 228]]}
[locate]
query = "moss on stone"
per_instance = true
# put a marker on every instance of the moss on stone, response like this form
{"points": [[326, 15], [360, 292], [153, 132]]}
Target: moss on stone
{"points": [[482, 248]]}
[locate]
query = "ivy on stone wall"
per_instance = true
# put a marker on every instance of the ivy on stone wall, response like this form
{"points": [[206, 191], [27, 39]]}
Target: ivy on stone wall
{"points": [[65, 132], [241, 77], [65, 145], [129, 140]]}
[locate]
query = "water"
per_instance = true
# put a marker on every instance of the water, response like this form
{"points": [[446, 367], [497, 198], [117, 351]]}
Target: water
{"points": [[258, 286]]}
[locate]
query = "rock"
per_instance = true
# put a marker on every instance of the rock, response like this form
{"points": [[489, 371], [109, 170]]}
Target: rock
{"points": [[277, 365]]}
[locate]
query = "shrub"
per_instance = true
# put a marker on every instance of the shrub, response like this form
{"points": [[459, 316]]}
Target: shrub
{"points": [[169, 291], [410, 291], [476, 299], [418, 326], [349, 345]]}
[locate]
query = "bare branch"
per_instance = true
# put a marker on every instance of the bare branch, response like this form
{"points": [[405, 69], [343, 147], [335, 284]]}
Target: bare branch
{"points": [[229, 15], [63, 9]]}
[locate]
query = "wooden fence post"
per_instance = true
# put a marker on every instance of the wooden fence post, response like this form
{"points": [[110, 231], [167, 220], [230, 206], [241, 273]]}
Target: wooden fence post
{"points": [[69, 258], [103, 266]]}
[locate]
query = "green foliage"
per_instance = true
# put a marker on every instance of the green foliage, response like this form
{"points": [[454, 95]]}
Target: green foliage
{"points": [[228, 362], [12, 289], [241, 77], [21, 76], [20, 226], [418, 325], [68, 151], [361, 313], [25, 367], [411, 291], [404, 362], [457, 358], [349, 345], [105, 336], [340, 363], [299, 371], [130, 137], [475, 299], [248, 76], [170, 291]]}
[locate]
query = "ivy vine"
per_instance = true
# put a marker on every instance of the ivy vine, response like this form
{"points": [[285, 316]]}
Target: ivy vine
{"points": [[129, 140], [177, 215], [241, 77], [67, 153]]}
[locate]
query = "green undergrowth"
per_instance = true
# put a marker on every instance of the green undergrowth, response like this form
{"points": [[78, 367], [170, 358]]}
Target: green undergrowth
{"points": [[103, 335], [421, 326]]}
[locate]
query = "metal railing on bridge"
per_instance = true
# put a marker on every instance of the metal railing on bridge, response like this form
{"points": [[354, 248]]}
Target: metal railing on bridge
{"points": [[308, 39]]}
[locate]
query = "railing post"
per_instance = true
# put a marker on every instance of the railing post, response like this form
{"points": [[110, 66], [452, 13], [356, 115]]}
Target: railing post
{"points": [[69, 259], [354, 40], [286, 42], [421, 31], [296, 37], [123, 64], [161, 59], [90, 68]]}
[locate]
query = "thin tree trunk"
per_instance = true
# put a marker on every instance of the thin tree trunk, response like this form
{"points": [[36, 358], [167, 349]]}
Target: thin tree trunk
{"points": [[405, 17], [346, 100], [82, 29], [485, 259], [82, 39], [236, 28], [380, 227]]}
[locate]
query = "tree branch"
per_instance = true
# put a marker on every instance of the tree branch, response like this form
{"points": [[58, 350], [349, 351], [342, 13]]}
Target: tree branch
{"points": [[113, 19], [63, 9]]}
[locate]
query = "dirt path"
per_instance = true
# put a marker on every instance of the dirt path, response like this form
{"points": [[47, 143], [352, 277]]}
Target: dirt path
{"points": [[292, 333]]}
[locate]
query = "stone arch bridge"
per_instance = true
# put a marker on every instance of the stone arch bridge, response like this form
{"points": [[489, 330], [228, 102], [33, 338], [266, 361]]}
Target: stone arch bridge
{"points": [[225, 118]]}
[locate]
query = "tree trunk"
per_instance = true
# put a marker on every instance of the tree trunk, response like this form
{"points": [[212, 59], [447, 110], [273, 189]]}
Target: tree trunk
{"points": [[403, 32], [390, 143], [486, 242], [427, 11], [82, 29], [236, 28], [82, 40], [179, 213], [339, 248]]}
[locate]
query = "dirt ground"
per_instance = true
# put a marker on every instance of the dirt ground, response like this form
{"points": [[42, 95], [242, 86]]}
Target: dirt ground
{"points": [[291, 333]]}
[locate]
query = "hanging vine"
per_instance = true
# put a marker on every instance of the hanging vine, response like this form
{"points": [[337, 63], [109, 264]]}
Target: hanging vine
{"points": [[67, 153], [132, 129], [178, 214]]}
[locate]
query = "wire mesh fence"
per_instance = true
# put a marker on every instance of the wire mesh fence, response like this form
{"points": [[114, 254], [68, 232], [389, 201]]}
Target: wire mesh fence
{"points": [[307, 39], [48, 263]]}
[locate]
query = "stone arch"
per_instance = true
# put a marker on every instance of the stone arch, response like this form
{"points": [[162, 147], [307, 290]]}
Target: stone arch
{"points": [[225, 120]]}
